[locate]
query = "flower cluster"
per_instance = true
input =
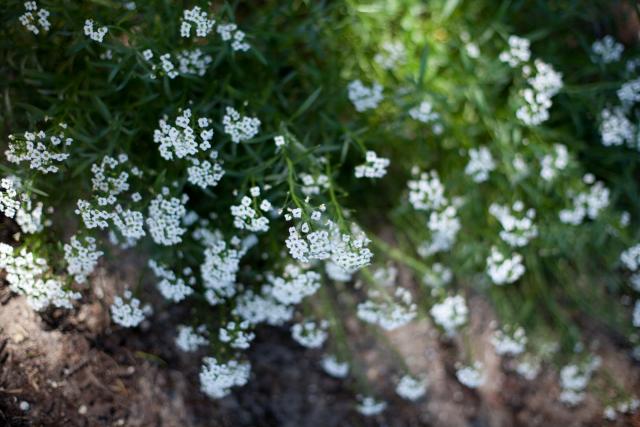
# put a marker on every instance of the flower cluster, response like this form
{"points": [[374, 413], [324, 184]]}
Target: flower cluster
{"points": [[217, 378], [411, 388], [165, 216], [471, 376], [392, 53], [28, 275], [198, 18], [480, 164], [248, 214], [310, 334], [519, 51], [502, 269], [29, 21], [438, 277], [15, 203], [219, 269], [183, 140], [127, 310], [606, 50], [170, 285], [506, 343], [574, 379], [369, 406], [95, 34], [294, 285], [332, 366], [313, 185], [364, 98], [321, 239], [236, 334], [375, 167], [517, 224], [552, 163], [424, 113], [230, 32], [240, 128], [545, 83], [262, 308], [42, 151], [388, 313], [190, 339], [81, 255], [451, 313], [587, 204]]}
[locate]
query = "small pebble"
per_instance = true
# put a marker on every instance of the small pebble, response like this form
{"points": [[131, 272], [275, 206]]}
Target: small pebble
{"points": [[82, 410]]}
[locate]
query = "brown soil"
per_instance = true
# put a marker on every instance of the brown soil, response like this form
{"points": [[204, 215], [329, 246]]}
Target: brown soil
{"points": [[77, 369]]}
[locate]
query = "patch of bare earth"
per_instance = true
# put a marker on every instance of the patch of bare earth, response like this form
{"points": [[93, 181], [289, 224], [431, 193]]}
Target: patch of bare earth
{"points": [[77, 369]]}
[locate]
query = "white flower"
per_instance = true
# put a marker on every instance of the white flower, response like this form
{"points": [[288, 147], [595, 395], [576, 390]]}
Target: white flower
{"points": [[295, 284], [310, 334], [217, 378], [518, 228], [426, 192], [480, 164], [369, 406], [375, 167], [411, 388], [42, 151], [193, 62], [27, 275], [586, 204], [509, 343], [630, 258], [246, 217], [126, 310], [170, 285], [96, 34], [190, 338], [551, 164], [198, 18], [240, 128], [450, 314], [438, 277], [606, 50], [183, 139], [518, 53], [334, 367], [81, 256], [35, 17], [165, 215], [503, 270], [629, 93], [219, 269], [386, 312], [424, 113], [279, 141], [205, 173], [363, 97], [471, 376], [392, 53], [574, 379], [236, 334], [262, 308], [230, 32], [616, 129], [313, 185]]}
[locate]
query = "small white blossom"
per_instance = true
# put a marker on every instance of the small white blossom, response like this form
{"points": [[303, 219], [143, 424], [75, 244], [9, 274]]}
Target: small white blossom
{"points": [[519, 51], [81, 256], [236, 334], [165, 215], [334, 367], [217, 378], [506, 343], [375, 167], [411, 388], [126, 310], [480, 164], [606, 50], [95, 34], [35, 18], [471, 376], [190, 338], [310, 334], [386, 312], [198, 18], [369, 406], [502, 269], [450, 314], [240, 128], [391, 53], [363, 97]]}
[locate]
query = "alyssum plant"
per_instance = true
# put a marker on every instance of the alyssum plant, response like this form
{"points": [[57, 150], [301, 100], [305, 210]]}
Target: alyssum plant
{"points": [[240, 170]]}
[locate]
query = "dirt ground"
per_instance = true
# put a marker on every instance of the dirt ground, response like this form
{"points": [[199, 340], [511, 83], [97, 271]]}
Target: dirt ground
{"points": [[77, 369]]}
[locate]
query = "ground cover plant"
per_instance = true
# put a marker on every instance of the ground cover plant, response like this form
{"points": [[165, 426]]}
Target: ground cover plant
{"points": [[280, 164]]}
